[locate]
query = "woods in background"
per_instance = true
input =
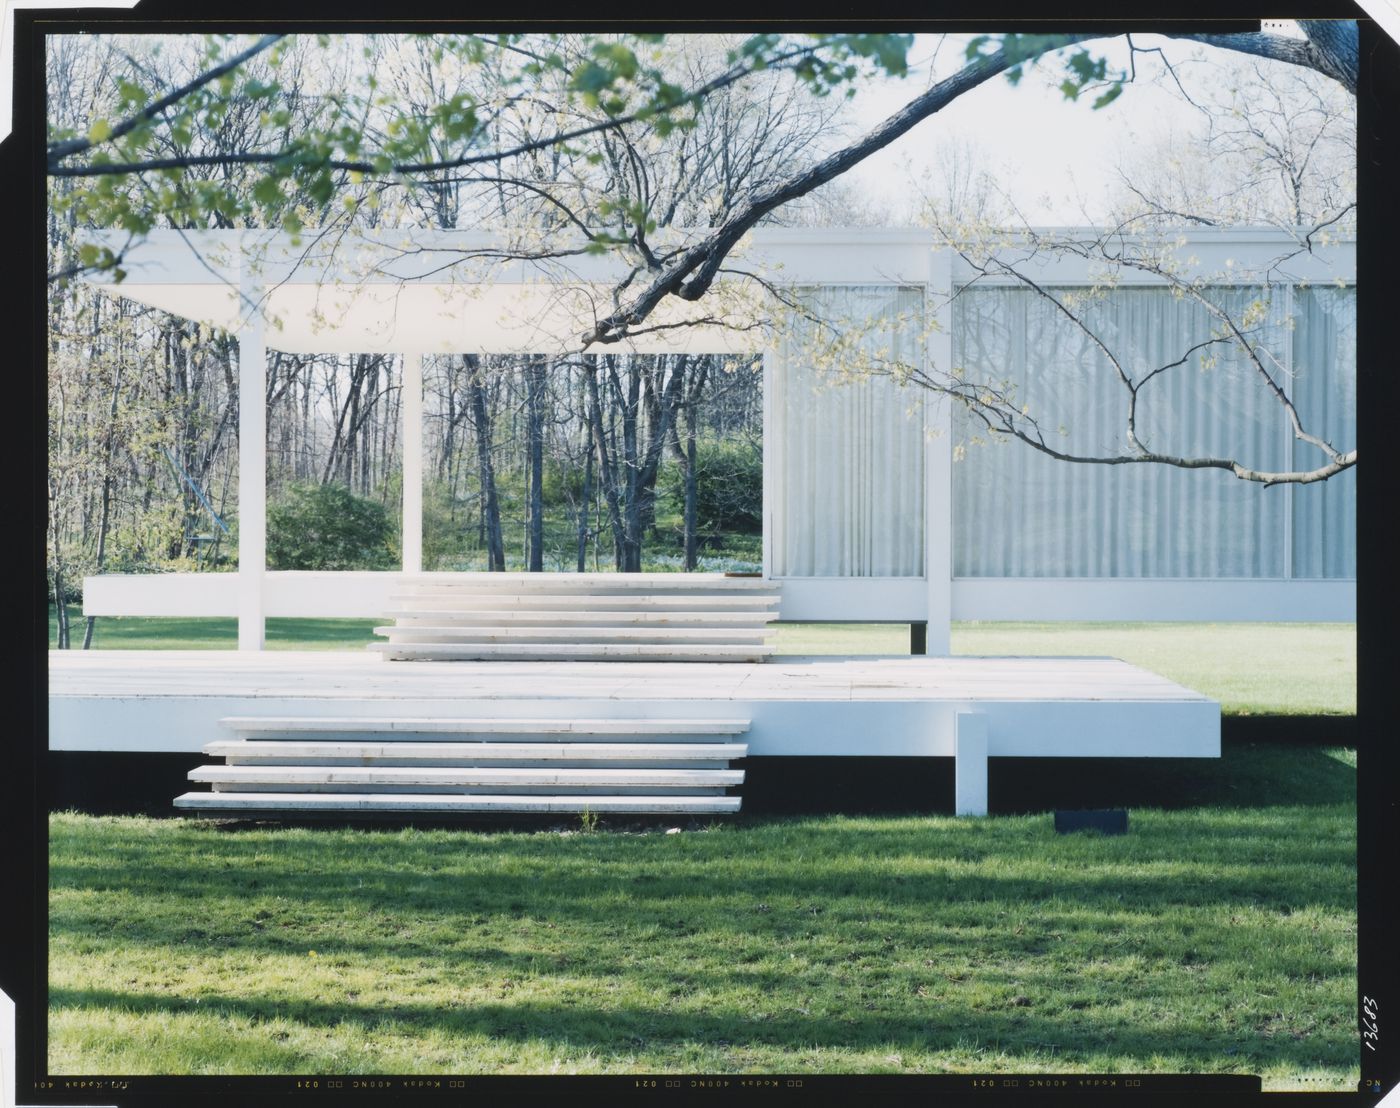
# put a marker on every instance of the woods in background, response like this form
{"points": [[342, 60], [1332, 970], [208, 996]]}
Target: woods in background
{"points": [[593, 462]]}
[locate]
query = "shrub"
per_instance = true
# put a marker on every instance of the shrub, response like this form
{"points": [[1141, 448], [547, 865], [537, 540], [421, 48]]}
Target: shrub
{"points": [[328, 527], [728, 488]]}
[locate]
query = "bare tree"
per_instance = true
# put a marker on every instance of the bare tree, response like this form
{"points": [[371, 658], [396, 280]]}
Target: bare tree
{"points": [[1273, 146], [483, 424]]}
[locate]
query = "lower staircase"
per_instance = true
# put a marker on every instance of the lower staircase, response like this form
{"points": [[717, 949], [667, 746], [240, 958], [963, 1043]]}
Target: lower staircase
{"points": [[395, 767], [671, 617]]}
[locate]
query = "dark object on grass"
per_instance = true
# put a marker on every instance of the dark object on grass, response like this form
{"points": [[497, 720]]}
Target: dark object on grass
{"points": [[1111, 821]]}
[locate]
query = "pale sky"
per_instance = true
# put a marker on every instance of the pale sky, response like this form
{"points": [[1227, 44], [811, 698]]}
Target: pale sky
{"points": [[1045, 151]]}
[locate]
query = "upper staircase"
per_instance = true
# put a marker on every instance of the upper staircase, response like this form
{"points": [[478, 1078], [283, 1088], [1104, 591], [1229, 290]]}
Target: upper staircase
{"points": [[691, 617]]}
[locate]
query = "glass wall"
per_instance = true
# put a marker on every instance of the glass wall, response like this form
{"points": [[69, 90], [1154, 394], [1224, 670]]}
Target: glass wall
{"points": [[1324, 383], [848, 445], [1021, 513]]}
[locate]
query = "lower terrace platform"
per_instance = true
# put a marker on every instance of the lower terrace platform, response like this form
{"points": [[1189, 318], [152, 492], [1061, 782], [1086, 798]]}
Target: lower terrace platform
{"points": [[970, 708]]}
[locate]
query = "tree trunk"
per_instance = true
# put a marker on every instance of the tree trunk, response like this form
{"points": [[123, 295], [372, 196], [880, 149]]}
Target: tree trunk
{"points": [[632, 537], [585, 500], [223, 502], [535, 370], [632, 513], [691, 523], [490, 506], [60, 593], [106, 516], [606, 469], [694, 389]]}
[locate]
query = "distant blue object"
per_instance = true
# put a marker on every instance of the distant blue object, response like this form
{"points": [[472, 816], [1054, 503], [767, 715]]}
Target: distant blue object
{"points": [[1112, 821], [197, 491]]}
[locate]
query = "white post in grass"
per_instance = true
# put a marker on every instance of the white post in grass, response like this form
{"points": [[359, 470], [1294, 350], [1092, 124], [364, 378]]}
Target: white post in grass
{"points": [[252, 460], [970, 764], [411, 405]]}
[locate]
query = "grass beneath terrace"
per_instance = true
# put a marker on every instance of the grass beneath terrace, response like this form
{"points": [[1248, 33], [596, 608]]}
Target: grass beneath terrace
{"points": [[1252, 669], [1218, 935], [212, 633]]}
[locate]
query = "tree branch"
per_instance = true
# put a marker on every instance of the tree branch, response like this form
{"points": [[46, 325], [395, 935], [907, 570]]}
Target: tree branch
{"points": [[1332, 47], [692, 272], [1006, 426], [60, 150], [55, 154]]}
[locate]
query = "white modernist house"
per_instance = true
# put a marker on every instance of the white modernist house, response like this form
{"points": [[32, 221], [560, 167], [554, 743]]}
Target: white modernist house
{"points": [[868, 516]]}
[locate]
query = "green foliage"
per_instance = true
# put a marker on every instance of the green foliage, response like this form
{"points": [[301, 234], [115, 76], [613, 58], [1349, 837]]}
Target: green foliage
{"points": [[729, 487], [1082, 70], [443, 535], [328, 527], [834, 59], [618, 75], [144, 544]]}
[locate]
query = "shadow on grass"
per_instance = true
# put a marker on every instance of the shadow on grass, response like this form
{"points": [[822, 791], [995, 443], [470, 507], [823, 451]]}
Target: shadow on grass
{"points": [[623, 1030], [1219, 923], [1246, 775], [1280, 860]]}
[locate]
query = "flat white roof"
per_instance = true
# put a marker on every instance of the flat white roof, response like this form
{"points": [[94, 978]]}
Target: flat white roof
{"points": [[463, 291], [452, 291]]}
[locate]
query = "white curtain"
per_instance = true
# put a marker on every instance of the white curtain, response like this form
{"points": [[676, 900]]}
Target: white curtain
{"points": [[1324, 384], [1020, 513], [848, 453]]}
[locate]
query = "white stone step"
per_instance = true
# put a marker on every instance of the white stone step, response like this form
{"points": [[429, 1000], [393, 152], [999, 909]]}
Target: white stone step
{"points": [[423, 600], [584, 652], [638, 634], [553, 779], [586, 754], [587, 582], [479, 726], [543, 617], [245, 803], [565, 779], [466, 790]]}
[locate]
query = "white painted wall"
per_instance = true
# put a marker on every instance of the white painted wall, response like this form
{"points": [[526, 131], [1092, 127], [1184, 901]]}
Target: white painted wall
{"points": [[305, 594], [1120, 599]]}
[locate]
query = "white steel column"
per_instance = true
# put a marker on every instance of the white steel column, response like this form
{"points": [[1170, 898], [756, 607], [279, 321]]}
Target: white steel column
{"points": [[970, 764], [770, 464], [411, 404], [252, 462], [938, 451]]}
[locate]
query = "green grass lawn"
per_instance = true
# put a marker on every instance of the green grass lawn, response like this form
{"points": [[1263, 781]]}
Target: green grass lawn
{"points": [[1218, 935], [1251, 668], [212, 633]]}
